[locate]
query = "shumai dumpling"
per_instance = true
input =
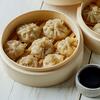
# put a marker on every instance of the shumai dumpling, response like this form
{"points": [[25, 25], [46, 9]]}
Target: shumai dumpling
{"points": [[56, 29], [52, 59], [14, 49], [91, 14], [96, 28], [67, 46], [28, 32], [28, 61], [42, 47]]}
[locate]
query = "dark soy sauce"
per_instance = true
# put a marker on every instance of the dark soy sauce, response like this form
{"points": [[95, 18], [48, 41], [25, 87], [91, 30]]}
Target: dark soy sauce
{"points": [[90, 77]]}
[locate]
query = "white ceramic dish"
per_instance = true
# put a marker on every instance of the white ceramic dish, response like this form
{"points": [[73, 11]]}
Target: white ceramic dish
{"points": [[89, 92], [63, 2], [42, 77], [91, 38]]}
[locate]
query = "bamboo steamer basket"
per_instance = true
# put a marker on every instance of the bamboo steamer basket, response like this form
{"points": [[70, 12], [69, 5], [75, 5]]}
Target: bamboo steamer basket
{"points": [[91, 38], [42, 77], [63, 2]]}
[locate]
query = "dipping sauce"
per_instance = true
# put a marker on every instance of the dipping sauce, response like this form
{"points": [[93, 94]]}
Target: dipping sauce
{"points": [[90, 76]]}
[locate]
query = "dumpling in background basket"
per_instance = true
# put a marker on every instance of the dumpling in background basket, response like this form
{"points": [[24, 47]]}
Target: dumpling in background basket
{"points": [[96, 28], [14, 49], [67, 46], [56, 29], [28, 32], [98, 3], [52, 59], [91, 14], [28, 61], [42, 47]]}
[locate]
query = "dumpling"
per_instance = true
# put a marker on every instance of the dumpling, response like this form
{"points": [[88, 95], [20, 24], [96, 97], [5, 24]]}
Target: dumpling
{"points": [[14, 49], [96, 28], [91, 14], [37, 51], [28, 32], [52, 59], [56, 29], [28, 61], [42, 47], [67, 46]]}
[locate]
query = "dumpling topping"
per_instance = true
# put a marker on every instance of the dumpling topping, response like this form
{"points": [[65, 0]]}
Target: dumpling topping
{"points": [[14, 49], [42, 47], [52, 59], [28, 32], [96, 28], [66, 47], [91, 14], [28, 61], [56, 29]]}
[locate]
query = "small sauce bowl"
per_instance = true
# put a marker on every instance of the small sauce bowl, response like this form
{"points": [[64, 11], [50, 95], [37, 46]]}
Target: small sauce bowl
{"points": [[88, 80]]}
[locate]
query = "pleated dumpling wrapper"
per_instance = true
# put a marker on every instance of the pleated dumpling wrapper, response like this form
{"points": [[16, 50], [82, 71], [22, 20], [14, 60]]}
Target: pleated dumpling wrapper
{"points": [[56, 29], [29, 61], [67, 46], [14, 49], [91, 14], [29, 32], [52, 59], [41, 47]]}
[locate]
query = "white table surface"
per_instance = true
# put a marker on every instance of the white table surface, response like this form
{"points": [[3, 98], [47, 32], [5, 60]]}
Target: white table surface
{"points": [[11, 90]]}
